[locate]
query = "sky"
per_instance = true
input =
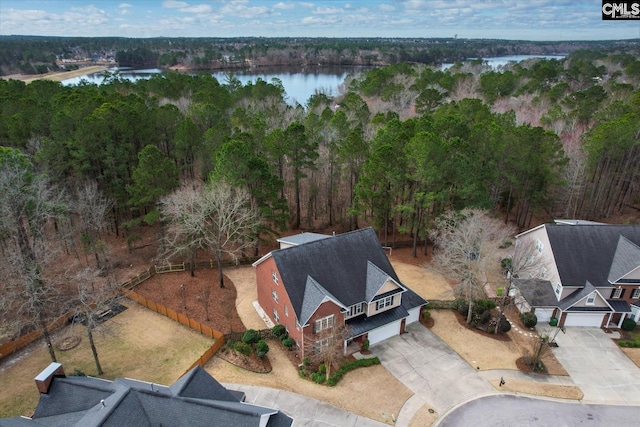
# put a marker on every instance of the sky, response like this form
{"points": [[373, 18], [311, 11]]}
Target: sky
{"points": [[499, 19]]}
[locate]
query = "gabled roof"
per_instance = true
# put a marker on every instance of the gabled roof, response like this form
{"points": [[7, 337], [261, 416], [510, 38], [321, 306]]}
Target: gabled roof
{"points": [[339, 267], [586, 252], [376, 278], [86, 401], [569, 301], [625, 260], [314, 295]]}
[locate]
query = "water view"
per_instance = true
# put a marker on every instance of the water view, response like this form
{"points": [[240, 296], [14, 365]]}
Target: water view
{"points": [[299, 84]]}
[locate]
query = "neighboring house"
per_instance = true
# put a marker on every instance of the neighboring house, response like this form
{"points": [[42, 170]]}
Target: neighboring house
{"points": [[315, 282], [196, 399], [590, 273]]}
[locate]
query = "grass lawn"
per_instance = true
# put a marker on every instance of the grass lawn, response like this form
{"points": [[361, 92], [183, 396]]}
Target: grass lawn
{"points": [[141, 345]]}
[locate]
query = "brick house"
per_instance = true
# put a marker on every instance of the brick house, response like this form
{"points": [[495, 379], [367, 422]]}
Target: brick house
{"points": [[317, 281], [591, 273]]}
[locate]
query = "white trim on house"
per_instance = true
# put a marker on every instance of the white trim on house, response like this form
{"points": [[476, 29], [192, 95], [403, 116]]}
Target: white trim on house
{"points": [[383, 332]]}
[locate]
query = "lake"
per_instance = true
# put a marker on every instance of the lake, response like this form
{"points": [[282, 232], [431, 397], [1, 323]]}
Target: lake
{"points": [[299, 84]]}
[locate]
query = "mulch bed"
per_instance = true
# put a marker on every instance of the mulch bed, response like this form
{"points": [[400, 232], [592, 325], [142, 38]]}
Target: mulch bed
{"points": [[166, 289], [463, 322], [252, 363], [525, 367], [428, 323]]}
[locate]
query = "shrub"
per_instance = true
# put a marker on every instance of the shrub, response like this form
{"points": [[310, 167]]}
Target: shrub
{"points": [[251, 336], [528, 319], [461, 305], [322, 369], [365, 345], [499, 291], [628, 324], [242, 348], [505, 244], [278, 330], [306, 361], [337, 375], [506, 263], [284, 337], [317, 377], [288, 342], [482, 305], [504, 325], [426, 314], [262, 348], [485, 316]]}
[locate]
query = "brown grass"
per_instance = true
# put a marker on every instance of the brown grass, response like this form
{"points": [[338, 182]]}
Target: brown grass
{"points": [[144, 345], [538, 389]]}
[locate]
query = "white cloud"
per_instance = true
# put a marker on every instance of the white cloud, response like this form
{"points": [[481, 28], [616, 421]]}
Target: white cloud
{"points": [[284, 6], [323, 10], [386, 7], [173, 4]]}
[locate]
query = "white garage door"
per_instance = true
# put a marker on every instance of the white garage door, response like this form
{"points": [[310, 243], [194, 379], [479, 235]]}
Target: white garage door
{"points": [[384, 332], [584, 319], [544, 314], [414, 315]]}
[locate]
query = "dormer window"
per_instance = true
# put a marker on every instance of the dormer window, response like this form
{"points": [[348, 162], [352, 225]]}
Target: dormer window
{"points": [[384, 302], [591, 299], [354, 310]]}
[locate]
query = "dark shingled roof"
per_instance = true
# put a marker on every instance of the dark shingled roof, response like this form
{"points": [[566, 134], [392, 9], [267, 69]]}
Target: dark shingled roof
{"points": [[196, 400], [339, 265], [537, 292], [586, 252]]}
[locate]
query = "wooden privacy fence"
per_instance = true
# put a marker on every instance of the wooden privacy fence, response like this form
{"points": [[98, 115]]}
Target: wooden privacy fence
{"points": [[184, 320], [15, 345]]}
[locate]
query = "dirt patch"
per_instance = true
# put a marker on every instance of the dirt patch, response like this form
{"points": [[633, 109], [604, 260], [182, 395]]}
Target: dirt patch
{"points": [[185, 294], [250, 363]]}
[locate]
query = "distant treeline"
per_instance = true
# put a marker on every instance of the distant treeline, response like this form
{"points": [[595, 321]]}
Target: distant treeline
{"points": [[31, 54]]}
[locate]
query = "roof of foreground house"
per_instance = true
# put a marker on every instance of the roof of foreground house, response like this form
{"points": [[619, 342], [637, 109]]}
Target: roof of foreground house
{"points": [[196, 399], [347, 268], [594, 253]]}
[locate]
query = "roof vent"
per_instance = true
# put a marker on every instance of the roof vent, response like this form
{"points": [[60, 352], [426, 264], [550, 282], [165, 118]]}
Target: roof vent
{"points": [[44, 378]]}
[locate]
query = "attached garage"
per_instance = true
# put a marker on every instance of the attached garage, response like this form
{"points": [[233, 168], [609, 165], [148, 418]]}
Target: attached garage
{"points": [[591, 320], [544, 314], [384, 332], [414, 315]]}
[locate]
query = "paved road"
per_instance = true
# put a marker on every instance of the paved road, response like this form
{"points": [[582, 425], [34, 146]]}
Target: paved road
{"points": [[509, 410]]}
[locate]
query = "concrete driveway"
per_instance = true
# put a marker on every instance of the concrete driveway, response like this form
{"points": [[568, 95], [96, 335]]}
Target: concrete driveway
{"points": [[437, 375], [596, 365]]}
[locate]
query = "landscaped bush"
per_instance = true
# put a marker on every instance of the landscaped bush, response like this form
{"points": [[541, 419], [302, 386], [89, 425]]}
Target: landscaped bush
{"points": [[306, 361], [426, 314], [288, 342], [284, 336], [317, 377], [485, 316], [251, 336], [242, 348], [322, 369], [262, 348], [461, 305], [365, 345], [633, 344], [628, 324], [499, 291], [506, 264], [482, 305], [529, 319], [337, 375], [504, 325], [278, 330]]}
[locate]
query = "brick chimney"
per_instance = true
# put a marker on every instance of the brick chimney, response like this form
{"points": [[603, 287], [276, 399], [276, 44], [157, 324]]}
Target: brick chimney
{"points": [[44, 378]]}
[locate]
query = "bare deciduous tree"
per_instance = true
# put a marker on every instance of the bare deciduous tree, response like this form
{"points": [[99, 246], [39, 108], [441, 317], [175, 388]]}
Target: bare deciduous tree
{"points": [[217, 217], [464, 243], [327, 346], [28, 204], [92, 208]]}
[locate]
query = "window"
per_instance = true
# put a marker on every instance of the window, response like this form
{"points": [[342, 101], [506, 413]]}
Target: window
{"points": [[617, 293], [274, 276], [384, 302], [286, 310], [354, 310], [543, 273], [324, 323], [635, 294], [274, 295], [276, 316], [539, 246], [591, 299], [320, 345], [558, 288]]}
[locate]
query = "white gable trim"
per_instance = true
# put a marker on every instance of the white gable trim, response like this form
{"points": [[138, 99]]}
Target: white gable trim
{"points": [[261, 260], [586, 296], [531, 230]]}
